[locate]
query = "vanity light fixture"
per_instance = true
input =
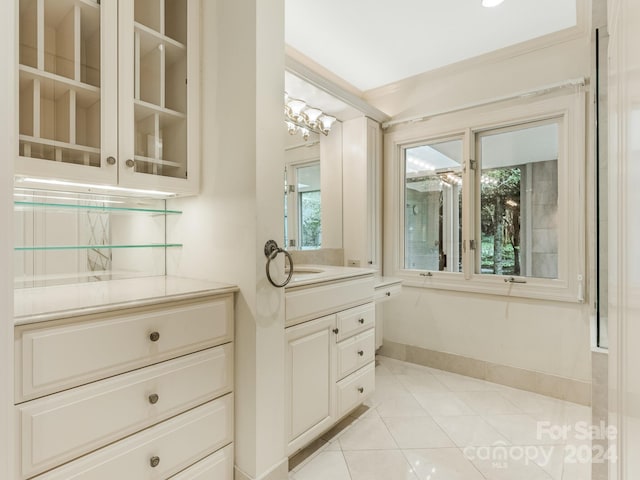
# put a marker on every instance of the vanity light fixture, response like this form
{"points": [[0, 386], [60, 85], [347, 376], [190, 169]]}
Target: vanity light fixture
{"points": [[304, 119], [491, 3]]}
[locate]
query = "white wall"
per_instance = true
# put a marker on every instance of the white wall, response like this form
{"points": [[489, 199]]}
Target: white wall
{"points": [[240, 207], [488, 77], [543, 336]]}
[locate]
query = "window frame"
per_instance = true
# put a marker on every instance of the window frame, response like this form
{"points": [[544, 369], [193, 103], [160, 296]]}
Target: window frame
{"points": [[294, 228], [570, 110]]}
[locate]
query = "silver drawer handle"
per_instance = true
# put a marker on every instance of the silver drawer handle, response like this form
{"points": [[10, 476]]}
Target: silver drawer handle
{"points": [[361, 352], [153, 398], [361, 389], [154, 461], [154, 336]]}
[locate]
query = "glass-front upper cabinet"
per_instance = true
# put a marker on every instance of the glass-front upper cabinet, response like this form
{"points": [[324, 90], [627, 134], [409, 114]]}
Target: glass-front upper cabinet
{"points": [[158, 45], [107, 93], [68, 87]]}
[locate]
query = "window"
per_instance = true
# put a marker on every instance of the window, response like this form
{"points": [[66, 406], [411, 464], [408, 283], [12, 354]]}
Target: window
{"points": [[303, 208], [490, 201], [518, 206], [433, 206]]}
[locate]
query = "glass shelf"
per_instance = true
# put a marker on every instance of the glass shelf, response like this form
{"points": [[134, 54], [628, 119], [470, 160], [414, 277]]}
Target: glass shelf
{"points": [[66, 237], [93, 247], [20, 205]]}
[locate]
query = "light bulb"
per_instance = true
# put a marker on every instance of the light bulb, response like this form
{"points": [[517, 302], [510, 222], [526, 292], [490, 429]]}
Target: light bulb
{"points": [[326, 122], [311, 116], [295, 108]]}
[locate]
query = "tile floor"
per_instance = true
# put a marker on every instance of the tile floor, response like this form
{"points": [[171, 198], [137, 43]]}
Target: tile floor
{"points": [[427, 424]]}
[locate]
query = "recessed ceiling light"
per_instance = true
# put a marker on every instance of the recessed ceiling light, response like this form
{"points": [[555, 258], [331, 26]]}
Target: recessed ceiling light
{"points": [[491, 3]]}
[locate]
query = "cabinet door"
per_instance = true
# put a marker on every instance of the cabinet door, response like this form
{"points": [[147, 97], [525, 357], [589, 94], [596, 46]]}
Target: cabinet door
{"points": [[68, 90], [310, 380], [158, 124]]}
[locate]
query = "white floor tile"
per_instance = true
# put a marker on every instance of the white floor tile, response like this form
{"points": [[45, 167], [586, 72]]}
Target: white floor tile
{"points": [[380, 465], [442, 464], [417, 432], [323, 466], [367, 434], [401, 406], [488, 403], [421, 383], [443, 403], [521, 429], [460, 383], [511, 468], [529, 402], [427, 412], [470, 430]]}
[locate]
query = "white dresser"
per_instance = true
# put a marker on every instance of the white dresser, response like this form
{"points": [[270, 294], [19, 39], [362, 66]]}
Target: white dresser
{"points": [[138, 386]]}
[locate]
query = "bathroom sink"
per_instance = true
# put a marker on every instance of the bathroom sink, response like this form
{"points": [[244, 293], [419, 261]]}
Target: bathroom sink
{"points": [[306, 270], [304, 273]]}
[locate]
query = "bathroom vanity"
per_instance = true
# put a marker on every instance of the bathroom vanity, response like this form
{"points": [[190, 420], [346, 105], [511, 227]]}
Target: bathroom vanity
{"points": [[330, 348]]}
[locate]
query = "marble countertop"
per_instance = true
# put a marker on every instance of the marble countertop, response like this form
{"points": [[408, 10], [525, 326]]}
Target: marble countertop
{"points": [[382, 282], [306, 275], [41, 304]]}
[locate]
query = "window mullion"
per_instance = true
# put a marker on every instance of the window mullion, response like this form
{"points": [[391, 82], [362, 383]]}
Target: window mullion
{"points": [[468, 202]]}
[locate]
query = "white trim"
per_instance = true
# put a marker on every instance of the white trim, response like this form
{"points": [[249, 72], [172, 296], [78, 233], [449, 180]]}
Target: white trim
{"points": [[571, 196], [576, 82], [310, 76]]}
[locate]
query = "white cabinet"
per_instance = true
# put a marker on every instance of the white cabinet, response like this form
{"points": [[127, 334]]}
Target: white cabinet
{"points": [[138, 393], [330, 358], [362, 195], [108, 93], [309, 380]]}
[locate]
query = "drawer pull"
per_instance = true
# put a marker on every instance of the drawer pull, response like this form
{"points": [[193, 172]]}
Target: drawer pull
{"points": [[153, 398], [388, 294], [154, 337], [335, 330], [361, 352], [154, 461], [361, 321], [361, 389]]}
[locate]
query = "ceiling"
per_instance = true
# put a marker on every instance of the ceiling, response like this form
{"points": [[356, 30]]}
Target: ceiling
{"points": [[374, 43]]}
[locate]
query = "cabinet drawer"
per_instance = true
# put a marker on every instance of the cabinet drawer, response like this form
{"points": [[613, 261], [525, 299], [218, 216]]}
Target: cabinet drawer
{"points": [[218, 466], [50, 359], [355, 352], [383, 294], [355, 388], [171, 446], [355, 320], [64, 426]]}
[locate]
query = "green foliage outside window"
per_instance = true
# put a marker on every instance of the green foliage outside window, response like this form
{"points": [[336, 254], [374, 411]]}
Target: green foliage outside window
{"points": [[500, 221]]}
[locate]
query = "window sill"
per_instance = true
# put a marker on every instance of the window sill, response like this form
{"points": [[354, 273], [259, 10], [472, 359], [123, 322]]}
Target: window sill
{"points": [[535, 288]]}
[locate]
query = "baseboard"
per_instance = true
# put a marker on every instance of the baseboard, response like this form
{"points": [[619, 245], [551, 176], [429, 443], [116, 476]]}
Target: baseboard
{"points": [[277, 472], [543, 383]]}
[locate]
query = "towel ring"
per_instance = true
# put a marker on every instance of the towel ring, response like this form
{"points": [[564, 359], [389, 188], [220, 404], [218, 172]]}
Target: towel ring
{"points": [[271, 251]]}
